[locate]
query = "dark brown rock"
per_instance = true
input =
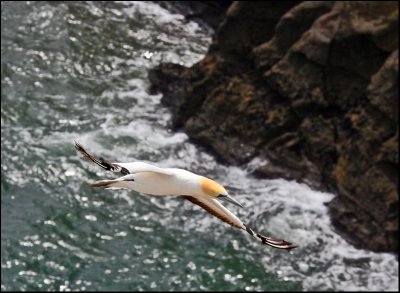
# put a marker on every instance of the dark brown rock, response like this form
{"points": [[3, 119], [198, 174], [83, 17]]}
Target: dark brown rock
{"points": [[288, 30], [383, 91], [312, 88], [248, 24]]}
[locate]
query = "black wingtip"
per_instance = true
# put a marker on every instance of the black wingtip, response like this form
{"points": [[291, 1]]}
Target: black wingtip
{"points": [[83, 152], [100, 162], [276, 243], [78, 147]]}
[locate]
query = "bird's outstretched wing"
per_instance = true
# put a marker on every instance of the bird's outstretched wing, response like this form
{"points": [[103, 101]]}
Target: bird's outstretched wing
{"points": [[113, 167], [215, 208], [124, 168], [218, 210]]}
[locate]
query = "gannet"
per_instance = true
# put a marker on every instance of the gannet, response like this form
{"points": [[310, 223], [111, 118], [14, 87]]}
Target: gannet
{"points": [[202, 191]]}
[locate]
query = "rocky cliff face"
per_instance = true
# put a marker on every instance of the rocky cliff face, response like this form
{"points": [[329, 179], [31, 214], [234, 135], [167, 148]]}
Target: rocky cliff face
{"points": [[310, 87]]}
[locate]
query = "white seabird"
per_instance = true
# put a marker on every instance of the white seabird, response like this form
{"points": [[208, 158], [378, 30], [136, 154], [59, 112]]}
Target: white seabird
{"points": [[148, 179]]}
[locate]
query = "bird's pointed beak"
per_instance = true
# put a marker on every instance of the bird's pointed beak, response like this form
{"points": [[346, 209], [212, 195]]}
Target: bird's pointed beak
{"points": [[230, 199]]}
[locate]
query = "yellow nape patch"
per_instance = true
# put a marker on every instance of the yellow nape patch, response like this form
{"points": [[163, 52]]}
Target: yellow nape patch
{"points": [[211, 187]]}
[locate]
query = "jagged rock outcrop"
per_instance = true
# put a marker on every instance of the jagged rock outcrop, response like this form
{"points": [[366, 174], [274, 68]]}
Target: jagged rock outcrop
{"points": [[312, 88]]}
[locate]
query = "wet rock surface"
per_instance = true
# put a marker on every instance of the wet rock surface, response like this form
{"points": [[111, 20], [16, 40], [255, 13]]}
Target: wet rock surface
{"points": [[311, 88]]}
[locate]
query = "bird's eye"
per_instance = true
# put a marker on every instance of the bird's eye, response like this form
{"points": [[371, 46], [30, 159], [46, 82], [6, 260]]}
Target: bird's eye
{"points": [[129, 179]]}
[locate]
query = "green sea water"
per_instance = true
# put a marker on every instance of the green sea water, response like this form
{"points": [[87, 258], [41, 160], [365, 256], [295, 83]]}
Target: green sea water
{"points": [[78, 71]]}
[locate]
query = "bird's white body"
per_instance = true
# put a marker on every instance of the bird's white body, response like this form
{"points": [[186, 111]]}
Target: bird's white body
{"points": [[161, 184], [149, 179], [153, 180]]}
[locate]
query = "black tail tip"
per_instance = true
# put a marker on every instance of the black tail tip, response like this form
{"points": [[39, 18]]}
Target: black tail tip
{"points": [[77, 145]]}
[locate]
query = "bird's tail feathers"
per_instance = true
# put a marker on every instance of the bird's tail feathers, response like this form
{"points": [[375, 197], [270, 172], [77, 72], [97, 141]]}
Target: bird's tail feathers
{"points": [[277, 243], [109, 184]]}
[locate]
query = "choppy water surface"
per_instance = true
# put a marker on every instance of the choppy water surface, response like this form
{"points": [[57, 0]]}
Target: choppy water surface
{"points": [[79, 71]]}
